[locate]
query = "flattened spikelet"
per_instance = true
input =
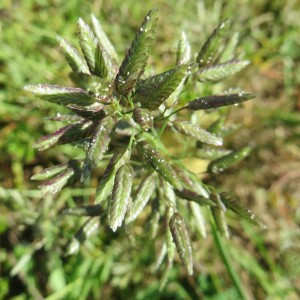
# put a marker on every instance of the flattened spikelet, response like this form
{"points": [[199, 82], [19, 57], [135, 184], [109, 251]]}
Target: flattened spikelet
{"points": [[182, 241]]}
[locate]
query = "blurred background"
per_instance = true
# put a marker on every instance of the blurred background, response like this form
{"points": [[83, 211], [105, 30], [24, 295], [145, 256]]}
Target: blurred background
{"points": [[33, 236]]}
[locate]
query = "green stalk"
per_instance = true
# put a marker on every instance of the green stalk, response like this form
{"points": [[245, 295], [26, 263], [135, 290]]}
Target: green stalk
{"points": [[227, 262]]}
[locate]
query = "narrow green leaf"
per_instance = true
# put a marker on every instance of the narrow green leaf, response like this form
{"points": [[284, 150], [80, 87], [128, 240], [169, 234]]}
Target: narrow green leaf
{"points": [[234, 204], [120, 196], [224, 162], [61, 95], [104, 40], [85, 232], [89, 210], [135, 61], [105, 186], [50, 172], [214, 45], [182, 241], [220, 71], [143, 117], [184, 54], [197, 133], [141, 197], [64, 135], [76, 62], [153, 91], [91, 50], [218, 101], [159, 164], [99, 144], [218, 213]]}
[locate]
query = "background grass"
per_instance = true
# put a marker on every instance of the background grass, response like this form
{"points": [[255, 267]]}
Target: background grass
{"points": [[33, 237]]}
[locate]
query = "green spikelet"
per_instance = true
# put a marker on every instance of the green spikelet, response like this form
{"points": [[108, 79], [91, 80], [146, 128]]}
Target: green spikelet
{"points": [[182, 241], [120, 196], [224, 162], [212, 47], [135, 61], [221, 71], [159, 164]]}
